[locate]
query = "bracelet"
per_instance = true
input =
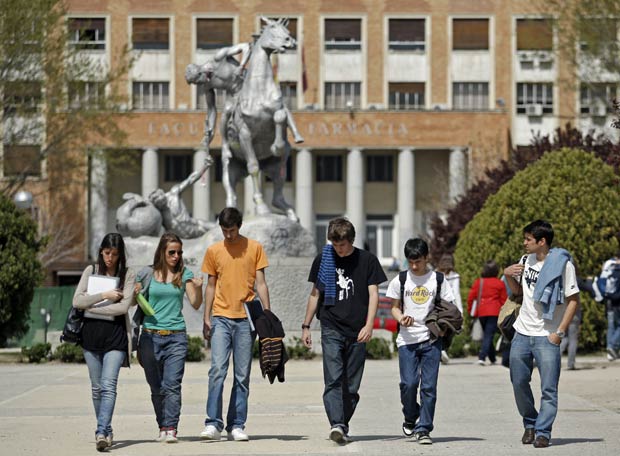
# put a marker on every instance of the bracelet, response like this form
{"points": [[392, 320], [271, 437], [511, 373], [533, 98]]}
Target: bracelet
{"points": [[305, 326]]}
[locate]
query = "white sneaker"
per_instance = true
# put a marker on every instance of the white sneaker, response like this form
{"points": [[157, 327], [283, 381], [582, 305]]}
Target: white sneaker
{"points": [[210, 432], [337, 435], [110, 439], [444, 357], [480, 363], [238, 435], [100, 442], [161, 437], [171, 436]]}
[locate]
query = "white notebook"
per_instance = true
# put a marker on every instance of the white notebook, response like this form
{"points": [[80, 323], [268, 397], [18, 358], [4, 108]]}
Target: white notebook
{"points": [[99, 284]]}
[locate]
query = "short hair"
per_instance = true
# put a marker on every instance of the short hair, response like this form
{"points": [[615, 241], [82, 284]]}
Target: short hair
{"points": [[540, 229], [446, 263], [340, 229], [416, 248], [490, 269], [229, 217]]}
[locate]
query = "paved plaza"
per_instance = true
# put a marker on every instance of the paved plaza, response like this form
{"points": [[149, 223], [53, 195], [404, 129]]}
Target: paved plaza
{"points": [[45, 410]]}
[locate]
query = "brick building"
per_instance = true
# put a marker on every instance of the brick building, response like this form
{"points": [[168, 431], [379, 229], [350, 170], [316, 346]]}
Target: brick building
{"points": [[402, 104]]}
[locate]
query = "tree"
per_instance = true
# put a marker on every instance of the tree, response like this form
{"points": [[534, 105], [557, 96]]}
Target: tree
{"points": [[58, 101], [446, 231], [21, 271], [572, 189]]}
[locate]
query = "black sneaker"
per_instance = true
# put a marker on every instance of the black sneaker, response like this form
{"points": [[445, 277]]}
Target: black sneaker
{"points": [[408, 428], [423, 438]]}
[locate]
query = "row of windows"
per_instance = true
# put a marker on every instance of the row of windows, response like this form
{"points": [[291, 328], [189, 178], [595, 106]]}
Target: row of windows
{"points": [[339, 34], [26, 96]]}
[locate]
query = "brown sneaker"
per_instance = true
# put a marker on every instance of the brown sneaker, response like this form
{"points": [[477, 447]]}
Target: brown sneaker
{"points": [[528, 436], [541, 442]]}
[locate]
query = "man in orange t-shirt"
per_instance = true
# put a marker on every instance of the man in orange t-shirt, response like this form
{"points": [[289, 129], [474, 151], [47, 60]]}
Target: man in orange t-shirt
{"points": [[234, 265]]}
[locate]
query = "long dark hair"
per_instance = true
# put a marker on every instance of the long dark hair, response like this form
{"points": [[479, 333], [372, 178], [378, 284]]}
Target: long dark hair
{"points": [[159, 260], [113, 241]]}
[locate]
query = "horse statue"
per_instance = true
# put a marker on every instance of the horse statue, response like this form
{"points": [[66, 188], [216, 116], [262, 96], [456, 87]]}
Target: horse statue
{"points": [[254, 130]]}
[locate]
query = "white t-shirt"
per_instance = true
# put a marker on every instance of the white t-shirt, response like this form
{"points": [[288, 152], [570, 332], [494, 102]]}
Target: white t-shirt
{"points": [[419, 300], [530, 321]]}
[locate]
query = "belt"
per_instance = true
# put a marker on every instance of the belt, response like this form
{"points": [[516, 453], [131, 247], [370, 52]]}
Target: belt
{"points": [[163, 332]]}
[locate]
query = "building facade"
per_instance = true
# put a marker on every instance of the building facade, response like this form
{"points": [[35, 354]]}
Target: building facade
{"points": [[402, 104]]}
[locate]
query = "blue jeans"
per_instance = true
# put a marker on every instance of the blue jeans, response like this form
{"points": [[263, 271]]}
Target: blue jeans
{"points": [[523, 352], [571, 341], [163, 360], [489, 327], [343, 366], [419, 366], [103, 369], [229, 335], [613, 328]]}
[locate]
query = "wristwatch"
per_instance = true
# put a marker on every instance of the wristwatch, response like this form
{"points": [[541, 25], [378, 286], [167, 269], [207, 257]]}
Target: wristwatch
{"points": [[304, 326], [561, 334]]}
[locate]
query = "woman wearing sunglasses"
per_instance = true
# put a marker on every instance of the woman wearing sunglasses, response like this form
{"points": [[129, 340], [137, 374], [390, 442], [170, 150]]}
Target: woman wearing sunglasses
{"points": [[106, 334], [163, 341]]}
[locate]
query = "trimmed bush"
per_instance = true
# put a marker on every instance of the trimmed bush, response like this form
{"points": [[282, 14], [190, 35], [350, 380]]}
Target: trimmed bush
{"points": [[298, 350], [378, 348], [573, 190], [69, 353], [194, 349], [37, 353]]}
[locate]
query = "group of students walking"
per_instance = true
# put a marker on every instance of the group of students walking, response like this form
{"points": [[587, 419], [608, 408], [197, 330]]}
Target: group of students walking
{"points": [[344, 298]]}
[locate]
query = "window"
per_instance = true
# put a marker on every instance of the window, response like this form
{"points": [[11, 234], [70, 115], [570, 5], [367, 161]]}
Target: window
{"points": [[150, 95], [470, 34], [406, 35], [598, 35], [534, 35], [342, 95], [343, 34], [86, 94], [329, 168], [289, 94], [534, 94], [406, 95], [201, 101], [470, 95], [379, 168], [177, 167], [214, 33], [21, 160], [217, 164], [150, 34], [379, 235], [596, 99], [87, 33], [22, 97]]}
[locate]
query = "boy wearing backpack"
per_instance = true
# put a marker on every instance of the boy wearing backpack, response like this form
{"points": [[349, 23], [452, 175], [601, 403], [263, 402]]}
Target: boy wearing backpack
{"points": [[608, 285], [419, 348]]}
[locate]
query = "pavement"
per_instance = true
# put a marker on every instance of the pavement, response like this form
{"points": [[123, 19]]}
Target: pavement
{"points": [[46, 410]]}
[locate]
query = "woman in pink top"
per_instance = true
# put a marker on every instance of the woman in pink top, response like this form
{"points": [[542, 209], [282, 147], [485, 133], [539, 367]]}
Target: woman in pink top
{"points": [[492, 297]]}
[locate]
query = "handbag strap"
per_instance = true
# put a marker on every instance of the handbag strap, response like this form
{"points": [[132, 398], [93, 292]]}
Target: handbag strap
{"points": [[479, 294]]}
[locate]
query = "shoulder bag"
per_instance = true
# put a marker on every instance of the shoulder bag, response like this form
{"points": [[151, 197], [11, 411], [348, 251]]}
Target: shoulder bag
{"points": [[509, 312], [477, 332]]}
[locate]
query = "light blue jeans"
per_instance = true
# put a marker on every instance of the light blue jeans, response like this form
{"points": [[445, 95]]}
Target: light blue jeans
{"points": [[524, 350], [163, 360], [229, 335], [613, 328], [103, 370]]}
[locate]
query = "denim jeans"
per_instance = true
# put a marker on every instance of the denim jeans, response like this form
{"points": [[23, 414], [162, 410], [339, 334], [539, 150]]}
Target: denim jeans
{"points": [[229, 335], [103, 369], [343, 366], [524, 351], [163, 360], [419, 367], [613, 328], [571, 341], [489, 327]]}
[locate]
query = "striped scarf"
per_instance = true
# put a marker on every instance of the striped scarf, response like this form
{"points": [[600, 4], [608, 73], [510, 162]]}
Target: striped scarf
{"points": [[327, 276]]}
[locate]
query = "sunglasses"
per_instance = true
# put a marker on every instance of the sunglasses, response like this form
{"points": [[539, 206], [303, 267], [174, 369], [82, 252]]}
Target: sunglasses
{"points": [[175, 252]]}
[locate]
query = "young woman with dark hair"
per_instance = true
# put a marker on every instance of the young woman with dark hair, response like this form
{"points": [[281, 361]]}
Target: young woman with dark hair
{"points": [[106, 334]]}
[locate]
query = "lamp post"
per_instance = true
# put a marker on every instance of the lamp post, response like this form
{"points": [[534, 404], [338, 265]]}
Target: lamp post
{"points": [[47, 317], [23, 200]]}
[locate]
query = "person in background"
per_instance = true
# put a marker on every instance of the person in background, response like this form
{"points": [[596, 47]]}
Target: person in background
{"points": [[492, 292], [446, 266], [163, 343], [106, 334]]}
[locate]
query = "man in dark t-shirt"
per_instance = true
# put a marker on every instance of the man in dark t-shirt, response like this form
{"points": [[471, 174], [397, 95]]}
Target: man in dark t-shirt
{"points": [[344, 297]]}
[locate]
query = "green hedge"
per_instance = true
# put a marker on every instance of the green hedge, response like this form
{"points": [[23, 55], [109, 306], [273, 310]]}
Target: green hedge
{"points": [[573, 190]]}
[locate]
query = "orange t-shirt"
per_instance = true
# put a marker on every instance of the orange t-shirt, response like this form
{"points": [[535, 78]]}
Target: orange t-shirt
{"points": [[235, 266]]}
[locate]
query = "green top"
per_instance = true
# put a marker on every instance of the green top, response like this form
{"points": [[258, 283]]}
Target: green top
{"points": [[167, 301]]}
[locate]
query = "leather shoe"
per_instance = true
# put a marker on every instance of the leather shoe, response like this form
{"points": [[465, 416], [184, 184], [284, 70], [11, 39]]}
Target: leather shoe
{"points": [[541, 442], [528, 436]]}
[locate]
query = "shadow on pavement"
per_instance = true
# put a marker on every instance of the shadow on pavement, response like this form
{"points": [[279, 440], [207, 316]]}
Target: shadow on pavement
{"points": [[559, 442]]}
